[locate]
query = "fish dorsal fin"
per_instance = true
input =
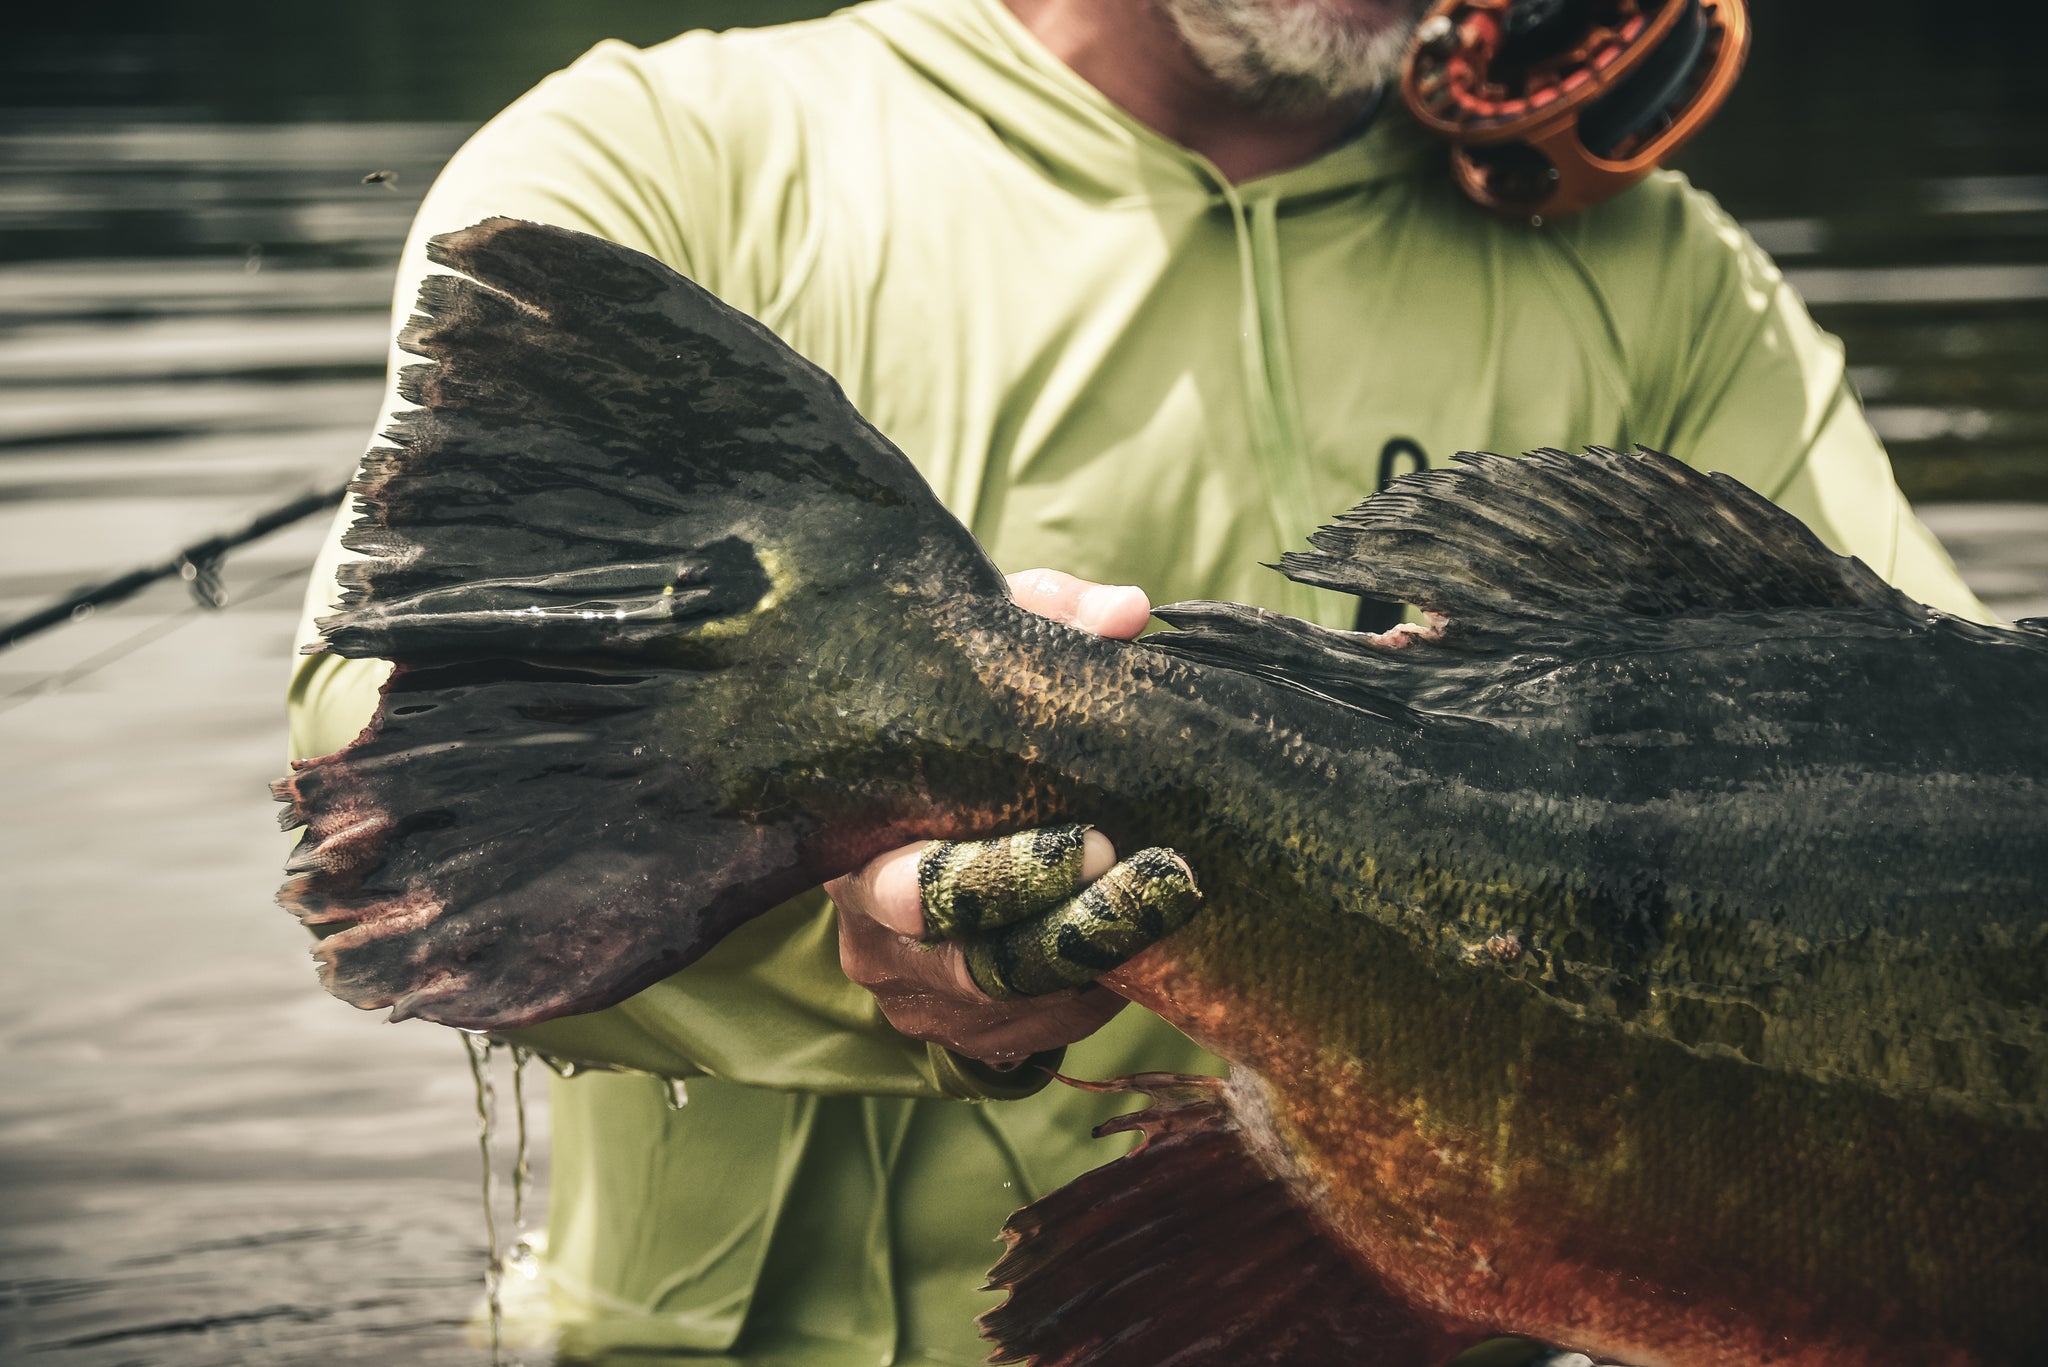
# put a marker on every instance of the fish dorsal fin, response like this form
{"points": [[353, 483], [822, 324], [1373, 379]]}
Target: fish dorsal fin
{"points": [[1555, 536], [1545, 553]]}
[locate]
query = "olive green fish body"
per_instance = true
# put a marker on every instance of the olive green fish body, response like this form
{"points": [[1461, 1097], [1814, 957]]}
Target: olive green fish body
{"points": [[1694, 996], [1649, 956]]}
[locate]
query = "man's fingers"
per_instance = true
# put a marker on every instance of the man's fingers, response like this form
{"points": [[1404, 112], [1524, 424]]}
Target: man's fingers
{"points": [[1040, 1024], [924, 991], [1131, 907], [908, 938], [969, 887], [1118, 610], [884, 890], [942, 989], [889, 888], [899, 969]]}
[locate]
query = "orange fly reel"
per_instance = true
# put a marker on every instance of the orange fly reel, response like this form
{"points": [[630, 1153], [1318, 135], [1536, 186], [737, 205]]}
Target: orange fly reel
{"points": [[1553, 105]]}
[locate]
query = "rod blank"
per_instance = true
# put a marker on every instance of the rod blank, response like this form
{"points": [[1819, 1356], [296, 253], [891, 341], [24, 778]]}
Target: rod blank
{"points": [[196, 563]]}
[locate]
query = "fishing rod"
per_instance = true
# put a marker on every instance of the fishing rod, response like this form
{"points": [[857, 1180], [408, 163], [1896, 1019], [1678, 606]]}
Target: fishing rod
{"points": [[197, 564]]}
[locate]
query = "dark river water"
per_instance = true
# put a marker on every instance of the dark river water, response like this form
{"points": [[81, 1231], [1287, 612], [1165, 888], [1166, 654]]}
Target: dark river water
{"points": [[205, 1160]]}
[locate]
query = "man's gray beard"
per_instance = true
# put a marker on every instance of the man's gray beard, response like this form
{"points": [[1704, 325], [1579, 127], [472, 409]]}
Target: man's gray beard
{"points": [[1291, 58]]}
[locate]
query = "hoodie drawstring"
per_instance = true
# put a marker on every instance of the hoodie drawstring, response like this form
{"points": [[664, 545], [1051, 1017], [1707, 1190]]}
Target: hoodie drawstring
{"points": [[1270, 397]]}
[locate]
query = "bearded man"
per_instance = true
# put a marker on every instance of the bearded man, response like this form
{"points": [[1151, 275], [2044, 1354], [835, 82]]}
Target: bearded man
{"points": [[1149, 289]]}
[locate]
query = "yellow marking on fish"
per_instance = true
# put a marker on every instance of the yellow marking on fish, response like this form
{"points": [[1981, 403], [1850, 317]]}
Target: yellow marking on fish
{"points": [[776, 569]]}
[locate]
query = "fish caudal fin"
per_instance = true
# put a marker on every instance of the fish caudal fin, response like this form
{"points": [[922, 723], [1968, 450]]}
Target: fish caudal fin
{"points": [[620, 515], [1192, 1220]]}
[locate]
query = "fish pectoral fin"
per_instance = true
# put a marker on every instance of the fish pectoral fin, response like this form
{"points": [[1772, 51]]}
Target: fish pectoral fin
{"points": [[1189, 1249]]}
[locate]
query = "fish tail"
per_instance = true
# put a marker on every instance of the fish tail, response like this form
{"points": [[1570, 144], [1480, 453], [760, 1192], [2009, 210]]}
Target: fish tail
{"points": [[631, 556]]}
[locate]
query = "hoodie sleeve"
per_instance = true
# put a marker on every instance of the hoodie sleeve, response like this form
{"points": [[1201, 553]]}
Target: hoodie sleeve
{"points": [[1728, 370], [623, 144]]}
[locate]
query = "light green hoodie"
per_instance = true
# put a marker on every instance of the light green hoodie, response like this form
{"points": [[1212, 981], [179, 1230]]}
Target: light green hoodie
{"points": [[1109, 360]]}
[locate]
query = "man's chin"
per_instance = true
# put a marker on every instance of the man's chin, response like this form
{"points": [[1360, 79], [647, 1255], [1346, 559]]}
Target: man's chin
{"points": [[1297, 56]]}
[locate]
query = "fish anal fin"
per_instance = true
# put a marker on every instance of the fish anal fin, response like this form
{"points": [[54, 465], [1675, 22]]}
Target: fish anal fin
{"points": [[1190, 1250]]}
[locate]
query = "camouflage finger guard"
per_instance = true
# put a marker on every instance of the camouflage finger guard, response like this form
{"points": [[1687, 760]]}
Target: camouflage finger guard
{"points": [[972, 886], [1136, 904]]}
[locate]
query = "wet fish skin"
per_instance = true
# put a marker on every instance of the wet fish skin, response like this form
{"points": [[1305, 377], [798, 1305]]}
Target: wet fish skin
{"points": [[1677, 1078], [1650, 960], [1764, 1067]]}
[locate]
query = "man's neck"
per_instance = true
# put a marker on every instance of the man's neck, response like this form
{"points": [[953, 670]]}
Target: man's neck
{"points": [[1131, 52]]}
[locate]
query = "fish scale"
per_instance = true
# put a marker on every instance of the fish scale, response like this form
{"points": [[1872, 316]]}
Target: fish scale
{"points": [[1646, 956]]}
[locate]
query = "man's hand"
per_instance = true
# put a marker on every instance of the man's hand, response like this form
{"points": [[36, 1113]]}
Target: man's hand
{"points": [[924, 989]]}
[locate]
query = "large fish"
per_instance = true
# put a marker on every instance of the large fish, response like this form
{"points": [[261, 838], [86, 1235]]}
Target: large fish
{"points": [[1649, 956]]}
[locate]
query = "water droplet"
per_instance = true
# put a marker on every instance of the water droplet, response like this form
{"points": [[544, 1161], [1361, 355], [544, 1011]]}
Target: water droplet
{"points": [[522, 1164], [523, 1260], [678, 1095], [479, 1050]]}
